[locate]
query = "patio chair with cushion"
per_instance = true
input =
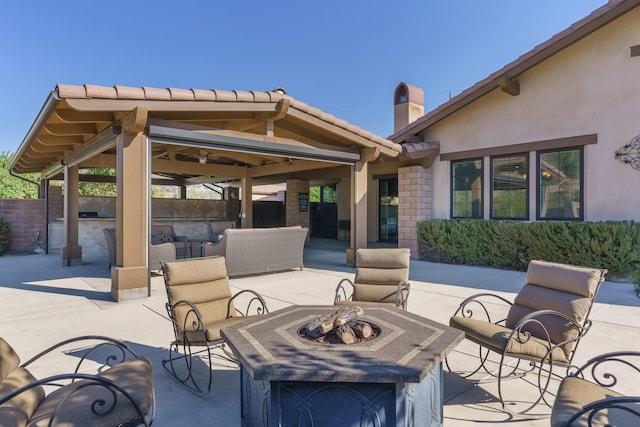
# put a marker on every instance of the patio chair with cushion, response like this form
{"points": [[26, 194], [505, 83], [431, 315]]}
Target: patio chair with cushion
{"points": [[164, 233], [199, 304], [586, 398], [216, 229], [542, 328], [382, 277], [157, 253], [122, 394]]}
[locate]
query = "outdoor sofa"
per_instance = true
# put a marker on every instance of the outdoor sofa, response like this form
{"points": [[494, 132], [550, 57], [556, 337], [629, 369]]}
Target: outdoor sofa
{"points": [[260, 250]]}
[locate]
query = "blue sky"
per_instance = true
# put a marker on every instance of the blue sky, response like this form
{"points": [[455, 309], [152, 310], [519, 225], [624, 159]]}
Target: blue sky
{"points": [[343, 56]]}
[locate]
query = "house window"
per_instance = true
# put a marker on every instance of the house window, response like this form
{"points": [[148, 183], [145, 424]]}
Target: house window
{"points": [[509, 187], [560, 177], [466, 188]]}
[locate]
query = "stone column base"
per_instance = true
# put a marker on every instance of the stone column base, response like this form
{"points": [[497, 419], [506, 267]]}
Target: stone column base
{"points": [[129, 283], [71, 255]]}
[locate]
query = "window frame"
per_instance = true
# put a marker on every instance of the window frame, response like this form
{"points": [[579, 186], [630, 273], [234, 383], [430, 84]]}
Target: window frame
{"points": [[527, 168], [539, 217], [452, 188]]}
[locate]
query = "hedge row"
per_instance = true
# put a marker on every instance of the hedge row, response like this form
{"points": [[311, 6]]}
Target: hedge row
{"points": [[5, 234], [614, 245]]}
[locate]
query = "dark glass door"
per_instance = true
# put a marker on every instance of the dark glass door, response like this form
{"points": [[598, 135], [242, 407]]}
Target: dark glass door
{"points": [[388, 209], [324, 211]]}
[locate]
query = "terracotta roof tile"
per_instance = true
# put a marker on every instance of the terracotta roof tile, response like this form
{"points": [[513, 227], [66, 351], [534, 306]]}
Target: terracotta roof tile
{"points": [[156, 94], [127, 92], [181, 94], [204, 95], [242, 96], [224, 95], [261, 96], [70, 91], [106, 92]]}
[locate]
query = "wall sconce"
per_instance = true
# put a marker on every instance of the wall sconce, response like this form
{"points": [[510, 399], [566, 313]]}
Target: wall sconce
{"points": [[203, 157], [630, 153]]}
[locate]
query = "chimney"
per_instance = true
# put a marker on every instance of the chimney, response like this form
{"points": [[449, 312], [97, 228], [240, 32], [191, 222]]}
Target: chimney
{"points": [[408, 105]]}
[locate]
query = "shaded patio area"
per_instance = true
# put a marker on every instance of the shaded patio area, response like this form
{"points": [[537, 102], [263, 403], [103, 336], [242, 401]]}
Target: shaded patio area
{"points": [[45, 303]]}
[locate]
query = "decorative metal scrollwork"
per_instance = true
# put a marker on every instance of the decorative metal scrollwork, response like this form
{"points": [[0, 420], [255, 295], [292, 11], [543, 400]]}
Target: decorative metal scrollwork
{"points": [[630, 153]]}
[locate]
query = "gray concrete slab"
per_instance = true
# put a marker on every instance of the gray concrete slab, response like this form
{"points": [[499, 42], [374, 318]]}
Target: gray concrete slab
{"points": [[44, 302]]}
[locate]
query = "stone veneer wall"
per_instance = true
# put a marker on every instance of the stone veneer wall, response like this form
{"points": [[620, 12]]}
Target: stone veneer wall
{"points": [[415, 204], [293, 214]]}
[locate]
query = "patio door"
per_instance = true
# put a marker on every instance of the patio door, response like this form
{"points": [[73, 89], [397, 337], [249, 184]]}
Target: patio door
{"points": [[388, 210], [324, 211]]}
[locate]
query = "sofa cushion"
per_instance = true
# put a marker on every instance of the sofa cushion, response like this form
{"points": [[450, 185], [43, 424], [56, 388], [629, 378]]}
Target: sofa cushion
{"points": [[17, 411], [134, 376]]}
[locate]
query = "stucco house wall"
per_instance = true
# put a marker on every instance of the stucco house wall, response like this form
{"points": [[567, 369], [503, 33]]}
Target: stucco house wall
{"points": [[590, 87]]}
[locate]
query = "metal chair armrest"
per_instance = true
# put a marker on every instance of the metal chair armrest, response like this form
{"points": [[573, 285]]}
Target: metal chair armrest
{"points": [[402, 294], [123, 350], [465, 309], [341, 291], [256, 303]]}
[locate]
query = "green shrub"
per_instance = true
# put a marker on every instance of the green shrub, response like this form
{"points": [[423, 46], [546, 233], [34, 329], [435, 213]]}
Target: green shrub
{"points": [[614, 245], [5, 234]]}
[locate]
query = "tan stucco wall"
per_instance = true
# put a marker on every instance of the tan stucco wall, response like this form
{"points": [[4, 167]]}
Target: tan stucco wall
{"points": [[591, 87]]}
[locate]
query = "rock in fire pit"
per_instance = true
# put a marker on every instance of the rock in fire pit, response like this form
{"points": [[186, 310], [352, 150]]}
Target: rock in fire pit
{"points": [[340, 326]]}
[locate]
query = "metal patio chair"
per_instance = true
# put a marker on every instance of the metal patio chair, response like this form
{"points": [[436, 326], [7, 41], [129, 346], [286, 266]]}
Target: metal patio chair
{"points": [[541, 330], [119, 394], [199, 304], [586, 398], [382, 277]]}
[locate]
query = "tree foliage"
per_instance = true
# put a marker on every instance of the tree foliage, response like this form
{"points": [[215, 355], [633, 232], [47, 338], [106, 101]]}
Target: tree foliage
{"points": [[16, 188], [98, 189]]}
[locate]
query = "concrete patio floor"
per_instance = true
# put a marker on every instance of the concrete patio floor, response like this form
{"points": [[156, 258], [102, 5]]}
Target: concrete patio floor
{"points": [[44, 303]]}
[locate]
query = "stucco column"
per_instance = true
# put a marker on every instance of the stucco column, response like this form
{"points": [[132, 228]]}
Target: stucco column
{"points": [[358, 209], [246, 203], [130, 277], [71, 252], [415, 201]]}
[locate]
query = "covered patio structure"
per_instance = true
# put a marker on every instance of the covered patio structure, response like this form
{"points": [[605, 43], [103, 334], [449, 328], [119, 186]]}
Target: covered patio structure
{"points": [[190, 136]]}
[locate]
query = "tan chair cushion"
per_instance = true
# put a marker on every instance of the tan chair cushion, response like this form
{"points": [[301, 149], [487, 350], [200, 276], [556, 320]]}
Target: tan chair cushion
{"points": [[383, 258], [551, 286], [135, 376], [9, 360], [204, 282], [375, 292], [574, 393], [18, 410], [565, 278], [497, 338], [381, 276]]}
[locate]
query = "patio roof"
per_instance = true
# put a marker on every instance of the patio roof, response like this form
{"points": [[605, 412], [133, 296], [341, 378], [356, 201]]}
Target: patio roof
{"points": [[191, 127]]}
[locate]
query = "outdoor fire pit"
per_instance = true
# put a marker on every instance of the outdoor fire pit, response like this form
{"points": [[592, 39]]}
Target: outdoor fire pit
{"points": [[341, 326], [289, 378]]}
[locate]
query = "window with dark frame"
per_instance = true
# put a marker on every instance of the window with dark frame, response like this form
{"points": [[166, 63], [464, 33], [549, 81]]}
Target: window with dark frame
{"points": [[560, 180], [467, 188], [510, 187]]}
